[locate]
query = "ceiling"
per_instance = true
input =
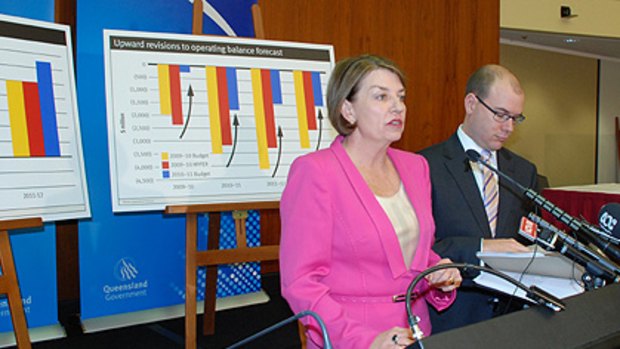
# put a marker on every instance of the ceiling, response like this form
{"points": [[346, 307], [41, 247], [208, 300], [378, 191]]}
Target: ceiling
{"points": [[581, 45]]}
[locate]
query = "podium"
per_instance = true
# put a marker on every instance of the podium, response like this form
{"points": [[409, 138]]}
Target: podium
{"points": [[591, 320]]}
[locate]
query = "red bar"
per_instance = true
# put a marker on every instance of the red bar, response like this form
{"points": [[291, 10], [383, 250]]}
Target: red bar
{"points": [[33, 119], [270, 122], [175, 95], [309, 94], [222, 89]]}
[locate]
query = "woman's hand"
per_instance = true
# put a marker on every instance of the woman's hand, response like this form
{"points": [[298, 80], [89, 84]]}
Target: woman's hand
{"points": [[396, 337], [445, 279]]}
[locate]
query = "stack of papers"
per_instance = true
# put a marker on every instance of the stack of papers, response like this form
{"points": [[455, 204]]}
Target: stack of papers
{"points": [[549, 271]]}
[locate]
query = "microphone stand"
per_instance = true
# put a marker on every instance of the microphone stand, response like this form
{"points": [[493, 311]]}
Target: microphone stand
{"points": [[534, 293], [596, 265], [589, 232], [326, 341]]}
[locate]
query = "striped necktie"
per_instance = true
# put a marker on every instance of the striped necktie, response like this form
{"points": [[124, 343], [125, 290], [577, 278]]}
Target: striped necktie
{"points": [[491, 193]]}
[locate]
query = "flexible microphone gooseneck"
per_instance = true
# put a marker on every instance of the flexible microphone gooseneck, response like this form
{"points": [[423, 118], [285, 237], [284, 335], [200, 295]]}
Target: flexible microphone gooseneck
{"points": [[535, 294], [326, 341], [610, 271], [591, 233]]}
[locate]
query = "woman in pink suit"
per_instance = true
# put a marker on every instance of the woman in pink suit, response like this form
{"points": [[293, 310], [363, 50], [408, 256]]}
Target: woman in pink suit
{"points": [[357, 224]]}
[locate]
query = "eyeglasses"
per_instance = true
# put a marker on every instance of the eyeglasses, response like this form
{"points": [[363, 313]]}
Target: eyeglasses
{"points": [[501, 117]]}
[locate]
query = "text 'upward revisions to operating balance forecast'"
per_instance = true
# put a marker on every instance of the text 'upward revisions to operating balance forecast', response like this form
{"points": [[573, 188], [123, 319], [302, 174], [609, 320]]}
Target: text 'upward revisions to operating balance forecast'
{"points": [[197, 119]]}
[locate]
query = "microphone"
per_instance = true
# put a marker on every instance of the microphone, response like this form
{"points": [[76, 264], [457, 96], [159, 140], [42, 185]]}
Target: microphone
{"points": [[474, 156], [326, 341], [608, 219], [533, 293], [556, 240], [529, 230], [589, 232]]}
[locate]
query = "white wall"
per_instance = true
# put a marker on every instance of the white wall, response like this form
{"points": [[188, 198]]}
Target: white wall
{"points": [[559, 134], [594, 17], [608, 166]]}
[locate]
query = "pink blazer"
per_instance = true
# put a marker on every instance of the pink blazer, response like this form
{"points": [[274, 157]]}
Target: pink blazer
{"points": [[339, 254]]}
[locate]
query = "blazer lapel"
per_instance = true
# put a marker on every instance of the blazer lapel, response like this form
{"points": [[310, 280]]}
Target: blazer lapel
{"points": [[460, 169], [505, 165], [382, 223]]}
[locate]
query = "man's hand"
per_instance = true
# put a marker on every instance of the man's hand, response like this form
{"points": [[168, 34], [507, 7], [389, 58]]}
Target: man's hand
{"points": [[502, 245]]}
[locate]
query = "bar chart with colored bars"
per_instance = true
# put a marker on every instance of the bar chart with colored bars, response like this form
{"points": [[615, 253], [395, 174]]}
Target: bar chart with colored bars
{"points": [[41, 160], [32, 115], [223, 97]]}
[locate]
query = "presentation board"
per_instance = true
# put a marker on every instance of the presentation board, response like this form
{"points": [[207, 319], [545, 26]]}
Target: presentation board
{"points": [[207, 119], [41, 163]]}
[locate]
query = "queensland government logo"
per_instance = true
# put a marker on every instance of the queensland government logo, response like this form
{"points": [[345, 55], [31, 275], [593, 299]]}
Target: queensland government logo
{"points": [[125, 270], [129, 284]]}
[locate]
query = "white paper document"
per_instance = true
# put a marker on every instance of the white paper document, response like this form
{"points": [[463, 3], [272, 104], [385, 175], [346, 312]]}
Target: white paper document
{"points": [[560, 288], [549, 271]]}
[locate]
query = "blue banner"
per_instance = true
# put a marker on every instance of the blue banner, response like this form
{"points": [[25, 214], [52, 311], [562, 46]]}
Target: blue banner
{"points": [[34, 250], [133, 262], [42, 10], [237, 278]]}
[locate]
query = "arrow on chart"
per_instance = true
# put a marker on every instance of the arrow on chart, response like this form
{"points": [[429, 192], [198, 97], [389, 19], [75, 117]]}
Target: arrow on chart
{"points": [[320, 117], [190, 94], [275, 170], [232, 153]]}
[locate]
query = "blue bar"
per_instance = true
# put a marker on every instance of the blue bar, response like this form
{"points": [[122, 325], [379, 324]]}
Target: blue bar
{"points": [[48, 109], [166, 174], [183, 68], [233, 91], [316, 89], [276, 89]]}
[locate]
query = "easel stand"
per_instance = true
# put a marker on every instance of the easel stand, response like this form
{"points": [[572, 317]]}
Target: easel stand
{"points": [[212, 257], [8, 280]]}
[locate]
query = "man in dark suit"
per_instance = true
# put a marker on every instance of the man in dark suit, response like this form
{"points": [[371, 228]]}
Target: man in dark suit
{"points": [[469, 215]]}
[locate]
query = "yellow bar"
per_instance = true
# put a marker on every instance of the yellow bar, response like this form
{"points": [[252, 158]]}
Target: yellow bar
{"points": [[164, 155], [259, 117], [302, 118], [163, 76], [214, 111], [17, 118]]}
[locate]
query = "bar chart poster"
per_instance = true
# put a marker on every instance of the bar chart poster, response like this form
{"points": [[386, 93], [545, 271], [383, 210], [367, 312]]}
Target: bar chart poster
{"points": [[205, 119], [41, 162]]}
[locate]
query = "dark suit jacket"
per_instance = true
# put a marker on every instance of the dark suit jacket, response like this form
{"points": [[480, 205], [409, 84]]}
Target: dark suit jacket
{"points": [[461, 220]]}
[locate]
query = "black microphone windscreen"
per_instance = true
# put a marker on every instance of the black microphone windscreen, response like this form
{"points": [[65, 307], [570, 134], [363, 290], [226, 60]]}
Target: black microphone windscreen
{"points": [[608, 218], [546, 234], [473, 155]]}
